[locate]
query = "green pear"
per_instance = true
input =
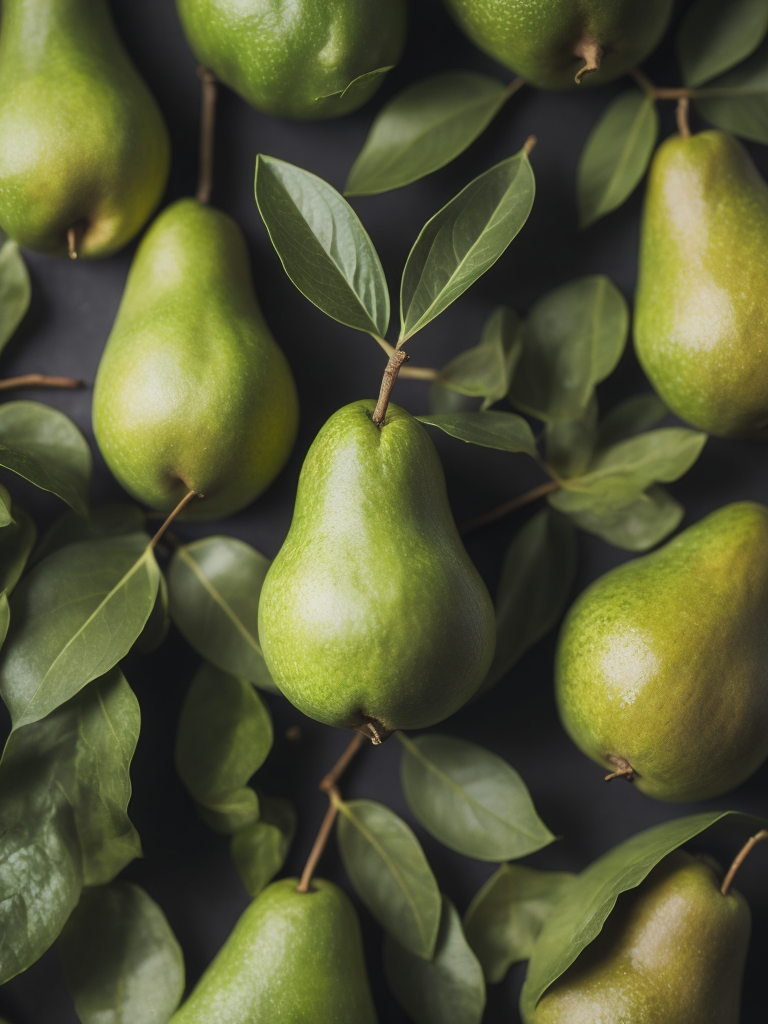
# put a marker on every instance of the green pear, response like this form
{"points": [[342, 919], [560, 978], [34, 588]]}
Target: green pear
{"points": [[701, 310], [372, 614], [84, 151], [554, 43], [662, 663], [192, 392], [293, 958], [672, 952], [297, 58]]}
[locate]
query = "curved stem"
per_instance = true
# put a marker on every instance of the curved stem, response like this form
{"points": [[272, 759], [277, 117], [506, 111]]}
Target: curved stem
{"points": [[741, 856], [339, 768], [509, 506], [659, 93], [624, 769], [207, 133], [176, 512], [39, 380], [396, 360], [591, 52], [682, 117], [643, 81], [318, 846]]}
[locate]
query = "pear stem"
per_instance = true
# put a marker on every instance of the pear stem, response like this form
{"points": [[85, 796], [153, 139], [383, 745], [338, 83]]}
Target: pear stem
{"points": [[529, 143], [39, 380], [509, 506], [741, 856], [591, 52], [624, 769], [396, 360], [176, 512], [207, 133], [73, 241], [683, 105], [319, 845], [333, 776], [659, 94]]}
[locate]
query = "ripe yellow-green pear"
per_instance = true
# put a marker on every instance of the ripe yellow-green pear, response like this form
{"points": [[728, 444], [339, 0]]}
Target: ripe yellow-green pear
{"points": [[701, 310], [372, 614], [553, 43], [672, 952], [662, 663], [293, 958], [84, 151], [297, 58], [192, 392]]}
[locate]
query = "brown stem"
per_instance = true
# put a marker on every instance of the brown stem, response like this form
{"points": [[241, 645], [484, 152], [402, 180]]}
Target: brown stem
{"points": [[419, 373], [39, 380], [338, 769], [396, 360], [624, 769], [643, 81], [73, 242], [591, 52], [514, 86], [741, 856], [509, 506], [528, 145], [176, 512], [682, 117], [319, 845], [374, 731], [673, 94], [207, 130], [658, 93]]}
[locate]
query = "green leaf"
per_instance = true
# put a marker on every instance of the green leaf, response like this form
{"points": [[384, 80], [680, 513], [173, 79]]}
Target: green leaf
{"points": [[469, 799], [223, 738], [72, 619], [5, 617], [424, 128], [159, 622], [259, 850], [121, 960], [507, 914], [15, 290], [616, 155], [6, 517], [503, 430], [114, 520], [64, 791], [578, 918], [619, 474], [570, 444], [713, 37], [633, 416], [485, 371], [214, 587], [537, 577], [445, 400], [737, 102], [463, 240], [449, 988], [638, 526], [322, 245], [44, 446], [572, 339], [16, 542], [386, 865], [363, 79]]}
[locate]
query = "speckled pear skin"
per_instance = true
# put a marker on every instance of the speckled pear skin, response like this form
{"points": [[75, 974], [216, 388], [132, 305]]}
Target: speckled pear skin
{"points": [[372, 609], [192, 392], [83, 144], [539, 39], [293, 58], [292, 958], [664, 660], [701, 309], [672, 952]]}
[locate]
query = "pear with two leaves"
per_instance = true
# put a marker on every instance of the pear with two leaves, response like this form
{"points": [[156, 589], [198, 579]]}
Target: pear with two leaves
{"points": [[372, 615], [293, 958], [84, 151], [297, 58], [701, 310], [671, 952], [554, 43], [192, 392], [662, 663]]}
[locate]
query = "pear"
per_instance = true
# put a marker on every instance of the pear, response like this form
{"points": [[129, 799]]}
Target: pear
{"points": [[293, 958], [554, 43], [372, 616], [672, 952], [662, 663], [84, 151], [192, 392], [701, 310], [297, 58]]}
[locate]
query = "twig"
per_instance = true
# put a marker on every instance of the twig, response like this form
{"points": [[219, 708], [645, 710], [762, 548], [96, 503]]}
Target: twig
{"points": [[643, 81], [176, 512], [741, 856], [207, 132], [513, 87], [509, 506], [396, 360], [73, 242], [529, 143], [39, 380], [419, 373], [338, 769], [682, 117], [659, 93]]}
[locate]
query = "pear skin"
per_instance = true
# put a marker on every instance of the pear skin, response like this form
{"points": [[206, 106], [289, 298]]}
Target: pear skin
{"points": [[372, 613], [192, 392], [672, 952], [701, 309], [84, 151], [297, 58], [292, 958], [552, 44], [662, 663]]}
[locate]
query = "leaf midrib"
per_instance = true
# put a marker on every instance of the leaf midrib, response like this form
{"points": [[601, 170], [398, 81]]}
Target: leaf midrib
{"points": [[218, 598]]}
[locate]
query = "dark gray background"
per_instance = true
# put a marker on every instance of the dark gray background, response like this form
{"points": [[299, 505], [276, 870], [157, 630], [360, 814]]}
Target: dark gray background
{"points": [[187, 867]]}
